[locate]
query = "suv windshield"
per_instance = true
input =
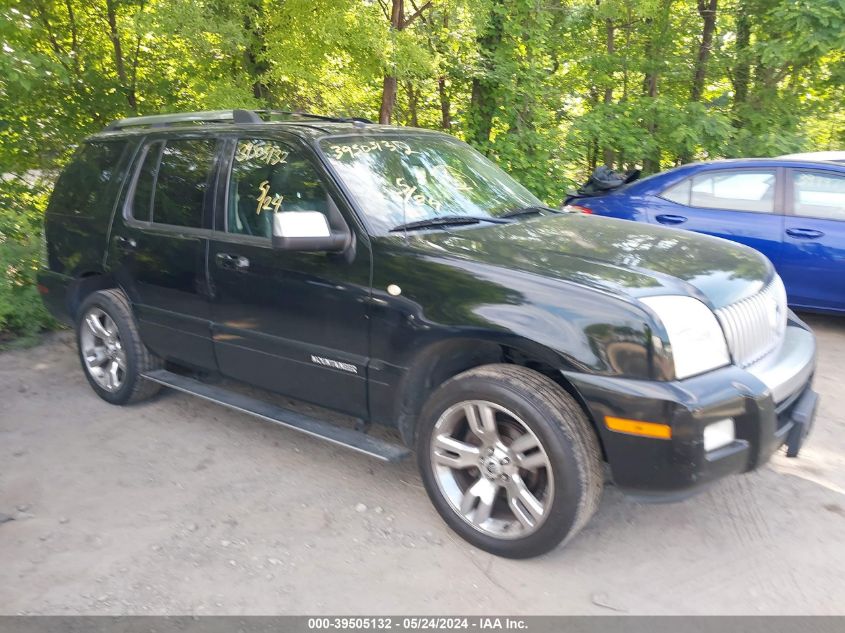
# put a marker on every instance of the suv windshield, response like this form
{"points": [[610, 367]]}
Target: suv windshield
{"points": [[413, 178]]}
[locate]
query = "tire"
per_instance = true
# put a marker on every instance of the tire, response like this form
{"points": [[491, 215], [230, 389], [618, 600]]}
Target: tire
{"points": [[477, 480], [114, 340]]}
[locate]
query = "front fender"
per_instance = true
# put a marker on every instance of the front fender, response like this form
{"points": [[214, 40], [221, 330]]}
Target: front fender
{"points": [[445, 302]]}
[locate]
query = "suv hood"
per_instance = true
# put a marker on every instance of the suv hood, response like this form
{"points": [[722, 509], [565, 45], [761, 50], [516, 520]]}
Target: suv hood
{"points": [[616, 256]]}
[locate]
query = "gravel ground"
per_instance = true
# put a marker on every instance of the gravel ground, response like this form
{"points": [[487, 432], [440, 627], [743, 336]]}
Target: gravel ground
{"points": [[177, 506]]}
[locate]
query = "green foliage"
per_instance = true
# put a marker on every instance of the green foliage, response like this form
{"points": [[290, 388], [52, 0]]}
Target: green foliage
{"points": [[548, 88], [22, 314]]}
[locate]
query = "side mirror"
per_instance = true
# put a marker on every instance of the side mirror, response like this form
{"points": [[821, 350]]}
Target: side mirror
{"points": [[307, 231]]}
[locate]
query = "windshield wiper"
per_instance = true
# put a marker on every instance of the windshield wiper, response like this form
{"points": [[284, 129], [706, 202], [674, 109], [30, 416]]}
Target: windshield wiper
{"points": [[445, 220], [532, 210]]}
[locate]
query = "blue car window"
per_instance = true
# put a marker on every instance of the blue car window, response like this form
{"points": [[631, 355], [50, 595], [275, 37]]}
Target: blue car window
{"points": [[738, 190], [678, 193], [819, 195]]}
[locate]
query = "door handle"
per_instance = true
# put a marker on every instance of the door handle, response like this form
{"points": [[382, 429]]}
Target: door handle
{"points": [[807, 234], [671, 219], [237, 263], [125, 243]]}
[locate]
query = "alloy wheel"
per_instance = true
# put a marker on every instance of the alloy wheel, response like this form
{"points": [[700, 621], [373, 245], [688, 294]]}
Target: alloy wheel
{"points": [[492, 469], [102, 350]]}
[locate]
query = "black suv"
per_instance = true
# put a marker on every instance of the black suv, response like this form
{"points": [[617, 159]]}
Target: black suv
{"points": [[397, 276]]}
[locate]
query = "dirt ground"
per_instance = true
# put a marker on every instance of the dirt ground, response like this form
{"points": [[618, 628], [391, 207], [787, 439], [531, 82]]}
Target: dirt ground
{"points": [[178, 506]]}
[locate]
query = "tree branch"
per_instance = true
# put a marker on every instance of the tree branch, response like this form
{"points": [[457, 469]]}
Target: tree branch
{"points": [[418, 11], [384, 9], [406, 22], [74, 36], [58, 49], [135, 56]]}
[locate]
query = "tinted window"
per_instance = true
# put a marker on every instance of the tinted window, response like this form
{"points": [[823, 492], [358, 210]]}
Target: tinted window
{"points": [[183, 179], [819, 195], [142, 203], [268, 177], [82, 186]]}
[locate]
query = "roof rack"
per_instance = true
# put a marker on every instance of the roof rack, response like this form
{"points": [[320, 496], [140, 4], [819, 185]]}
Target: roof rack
{"points": [[161, 120], [219, 116], [319, 117]]}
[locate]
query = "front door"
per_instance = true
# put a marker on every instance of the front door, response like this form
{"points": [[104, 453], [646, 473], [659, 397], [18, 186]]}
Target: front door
{"points": [[158, 247], [291, 322], [814, 239]]}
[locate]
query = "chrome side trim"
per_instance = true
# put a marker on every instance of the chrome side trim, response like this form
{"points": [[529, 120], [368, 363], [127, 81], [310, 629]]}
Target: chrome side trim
{"points": [[788, 370]]}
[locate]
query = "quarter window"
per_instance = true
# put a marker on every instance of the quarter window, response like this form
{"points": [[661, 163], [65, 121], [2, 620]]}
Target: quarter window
{"points": [[679, 193], [269, 177], [818, 195], [142, 203], [83, 185], [740, 190]]}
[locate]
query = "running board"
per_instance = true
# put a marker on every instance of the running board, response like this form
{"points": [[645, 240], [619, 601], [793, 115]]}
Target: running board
{"points": [[356, 440]]}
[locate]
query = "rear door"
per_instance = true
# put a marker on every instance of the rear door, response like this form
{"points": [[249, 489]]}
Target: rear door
{"points": [[159, 242], [814, 239], [742, 204]]}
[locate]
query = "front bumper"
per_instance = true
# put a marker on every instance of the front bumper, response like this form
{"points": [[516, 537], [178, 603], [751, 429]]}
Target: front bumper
{"points": [[771, 403]]}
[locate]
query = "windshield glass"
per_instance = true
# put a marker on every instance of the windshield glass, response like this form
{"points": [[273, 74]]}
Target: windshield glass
{"points": [[397, 180]]}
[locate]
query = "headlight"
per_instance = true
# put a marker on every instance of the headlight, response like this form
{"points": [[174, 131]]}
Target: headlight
{"points": [[698, 343]]}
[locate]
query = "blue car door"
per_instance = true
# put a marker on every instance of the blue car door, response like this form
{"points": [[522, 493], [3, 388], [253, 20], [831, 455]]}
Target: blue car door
{"points": [[739, 204], [814, 238]]}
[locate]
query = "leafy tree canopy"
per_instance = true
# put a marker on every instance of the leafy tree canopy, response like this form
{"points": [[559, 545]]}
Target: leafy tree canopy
{"points": [[548, 88]]}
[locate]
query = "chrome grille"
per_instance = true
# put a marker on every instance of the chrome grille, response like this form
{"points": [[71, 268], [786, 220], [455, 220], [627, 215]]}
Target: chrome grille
{"points": [[754, 327]]}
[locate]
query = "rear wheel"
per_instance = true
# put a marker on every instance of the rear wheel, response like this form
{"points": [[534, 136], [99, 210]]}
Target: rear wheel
{"points": [[509, 460], [111, 351]]}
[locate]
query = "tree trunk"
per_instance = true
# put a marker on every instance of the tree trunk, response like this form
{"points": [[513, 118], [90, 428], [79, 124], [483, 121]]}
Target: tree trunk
{"points": [[742, 71], [114, 36], [707, 11], [608, 90], [445, 104], [650, 163], [655, 43], [482, 105], [388, 93], [388, 99], [254, 65], [413, 98]]}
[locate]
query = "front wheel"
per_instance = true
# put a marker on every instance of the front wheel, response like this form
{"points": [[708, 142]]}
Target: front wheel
{"points": [[509, 460]]}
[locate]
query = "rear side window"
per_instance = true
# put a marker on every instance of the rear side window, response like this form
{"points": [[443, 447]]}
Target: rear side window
{"points": [[738, 190], [819, 195], [183, 179], [173, 182], [81, 190]]}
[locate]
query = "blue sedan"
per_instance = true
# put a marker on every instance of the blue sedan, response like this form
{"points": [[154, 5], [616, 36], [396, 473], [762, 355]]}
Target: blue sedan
{"points": [[792, 211]]}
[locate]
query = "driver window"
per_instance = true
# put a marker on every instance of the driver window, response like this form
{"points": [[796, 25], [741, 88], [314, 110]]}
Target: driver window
{"points": [[269, 177]]}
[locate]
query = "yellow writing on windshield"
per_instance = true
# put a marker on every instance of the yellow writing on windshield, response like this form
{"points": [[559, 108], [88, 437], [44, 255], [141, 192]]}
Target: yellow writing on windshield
{"points": [[358, 149], [409, 193]]}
